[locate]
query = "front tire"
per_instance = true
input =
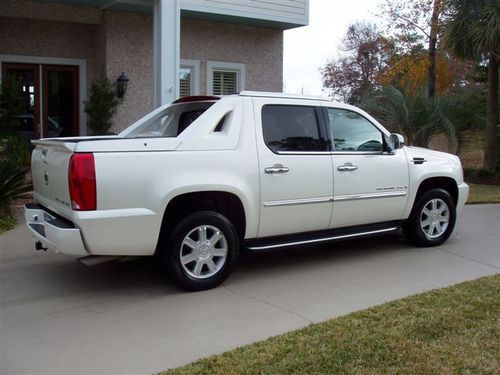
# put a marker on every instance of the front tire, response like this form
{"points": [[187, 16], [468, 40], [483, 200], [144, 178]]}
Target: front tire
{"points": [[432, 219], [201, 252]]}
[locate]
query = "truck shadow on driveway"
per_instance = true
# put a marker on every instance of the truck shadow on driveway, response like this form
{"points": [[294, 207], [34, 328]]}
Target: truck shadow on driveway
{"points": [[144, 277], [146, 274]]}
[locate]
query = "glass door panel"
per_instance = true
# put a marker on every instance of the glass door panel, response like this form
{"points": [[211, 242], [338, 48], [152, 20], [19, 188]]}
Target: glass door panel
{"points": [[60, 101], [26, 81]]}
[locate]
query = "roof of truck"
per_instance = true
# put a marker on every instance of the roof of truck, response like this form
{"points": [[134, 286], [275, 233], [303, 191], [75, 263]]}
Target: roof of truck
{"points": [[260, 94], [283, 95]]}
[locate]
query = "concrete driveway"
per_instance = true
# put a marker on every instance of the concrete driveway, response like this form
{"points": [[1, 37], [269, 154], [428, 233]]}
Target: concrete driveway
{"points": [[60, 317]]}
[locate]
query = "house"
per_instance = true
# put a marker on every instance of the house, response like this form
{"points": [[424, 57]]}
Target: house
{"points": [[166, 48]]}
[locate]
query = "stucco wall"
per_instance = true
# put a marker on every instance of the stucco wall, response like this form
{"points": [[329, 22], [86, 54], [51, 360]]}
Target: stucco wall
{"points": [[129, 49], [129, 44], [260, 49], [21, 36], [28, 37], [112, 42], [41, 10]]}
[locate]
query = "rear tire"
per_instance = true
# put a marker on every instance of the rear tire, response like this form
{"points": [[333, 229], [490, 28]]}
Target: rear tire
{"points": [[432, 219], [201, 251]]}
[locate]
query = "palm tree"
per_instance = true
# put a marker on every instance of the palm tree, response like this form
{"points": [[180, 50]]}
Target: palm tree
{"points": [[419, 118], [474, 32]]}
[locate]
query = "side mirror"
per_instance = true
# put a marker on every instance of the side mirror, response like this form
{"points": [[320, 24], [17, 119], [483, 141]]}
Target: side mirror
{"points": [[396, 141]]}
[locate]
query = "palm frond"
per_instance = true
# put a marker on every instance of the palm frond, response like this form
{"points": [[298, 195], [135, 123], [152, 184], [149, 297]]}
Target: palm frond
{"points": [[12, 183]]}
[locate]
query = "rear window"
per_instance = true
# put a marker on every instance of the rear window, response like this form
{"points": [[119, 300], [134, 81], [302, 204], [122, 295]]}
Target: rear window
{"points": [[172, 122], [291, 128]]}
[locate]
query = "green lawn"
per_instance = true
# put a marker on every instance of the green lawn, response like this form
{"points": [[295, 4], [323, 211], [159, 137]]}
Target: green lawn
{"points": [[455, 330], [483, 194]]}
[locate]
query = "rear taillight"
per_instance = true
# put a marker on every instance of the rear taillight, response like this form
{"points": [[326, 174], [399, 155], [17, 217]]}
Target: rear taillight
{"points": [[81, 178]]}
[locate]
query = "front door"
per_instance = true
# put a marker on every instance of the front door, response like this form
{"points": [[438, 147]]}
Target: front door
{"points": [[295, 167], [370, 185], [50, 99]]}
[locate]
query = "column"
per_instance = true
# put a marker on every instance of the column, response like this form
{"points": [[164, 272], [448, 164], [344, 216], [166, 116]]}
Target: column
{"points": [[166, 51]]}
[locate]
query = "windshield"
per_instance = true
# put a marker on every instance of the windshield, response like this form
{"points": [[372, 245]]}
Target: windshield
{"points": [[170, 122]]}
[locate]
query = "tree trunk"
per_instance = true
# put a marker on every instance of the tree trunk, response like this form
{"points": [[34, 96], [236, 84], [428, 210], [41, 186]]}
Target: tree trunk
{"points": [[490, 151], [431, 75]]}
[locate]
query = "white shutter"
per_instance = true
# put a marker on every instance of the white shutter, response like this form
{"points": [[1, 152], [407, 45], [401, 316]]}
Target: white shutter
{"points": [[185, 82], [225, 82]]}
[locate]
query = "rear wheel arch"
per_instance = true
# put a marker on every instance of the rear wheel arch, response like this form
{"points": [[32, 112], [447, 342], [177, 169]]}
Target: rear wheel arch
{"points": [[183, 205]]}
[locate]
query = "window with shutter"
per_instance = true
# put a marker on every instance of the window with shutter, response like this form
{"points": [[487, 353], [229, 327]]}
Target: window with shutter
{"points": [[225, 78], [185, 82], [225, 82]]}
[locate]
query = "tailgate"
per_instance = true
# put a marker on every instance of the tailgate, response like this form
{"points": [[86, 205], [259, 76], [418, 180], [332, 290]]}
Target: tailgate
{"points": [[49, 167]]}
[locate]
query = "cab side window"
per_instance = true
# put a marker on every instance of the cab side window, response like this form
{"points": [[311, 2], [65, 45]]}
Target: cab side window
{"points": [[352, 132], [291, 128]]}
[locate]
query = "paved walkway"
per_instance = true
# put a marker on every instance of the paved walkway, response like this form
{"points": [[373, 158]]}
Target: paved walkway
{"points": [[60, 317]]}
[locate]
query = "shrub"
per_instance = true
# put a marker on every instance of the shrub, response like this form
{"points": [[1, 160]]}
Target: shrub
{"points": [[11, 106], [101, 106], [481, 175], [16, 149]]}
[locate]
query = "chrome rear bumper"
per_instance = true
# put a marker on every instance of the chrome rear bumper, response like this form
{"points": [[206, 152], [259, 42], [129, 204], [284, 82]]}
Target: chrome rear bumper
{"points": [[53, 232]]}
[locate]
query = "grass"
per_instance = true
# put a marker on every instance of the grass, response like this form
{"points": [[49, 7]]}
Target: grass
{"points": [[7, 223], [480, 193], [446, 331]]}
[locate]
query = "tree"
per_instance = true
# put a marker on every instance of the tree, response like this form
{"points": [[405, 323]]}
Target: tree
{"points": [[410, 73], [473, 31], [418, 118], [416, 22], [365, 56]]}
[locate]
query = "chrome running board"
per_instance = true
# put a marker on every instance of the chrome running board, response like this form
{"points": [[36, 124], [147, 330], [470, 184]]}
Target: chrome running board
{"points": [[319, 240]]}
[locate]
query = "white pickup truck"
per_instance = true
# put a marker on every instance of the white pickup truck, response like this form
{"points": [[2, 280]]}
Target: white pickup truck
{"points": [[196, 180]]}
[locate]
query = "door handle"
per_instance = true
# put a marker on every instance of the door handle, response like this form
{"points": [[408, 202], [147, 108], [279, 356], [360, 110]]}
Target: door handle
{"points": [[347, 167], [276, 168]]}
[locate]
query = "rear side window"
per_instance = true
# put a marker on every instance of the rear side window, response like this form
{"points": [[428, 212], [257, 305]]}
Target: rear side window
{"points": [[291, 128], [172, 121]]}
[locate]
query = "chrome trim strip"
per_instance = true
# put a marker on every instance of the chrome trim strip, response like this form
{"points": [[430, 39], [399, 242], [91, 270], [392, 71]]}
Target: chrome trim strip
{"points": [[330, 153], [356, 153], [286, 244], [303, 152], [293, 202], [343, 198], [339, 198]]}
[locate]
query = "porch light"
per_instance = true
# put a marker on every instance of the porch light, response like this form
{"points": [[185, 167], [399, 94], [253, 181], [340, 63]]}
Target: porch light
{"points": [[121, 85]]}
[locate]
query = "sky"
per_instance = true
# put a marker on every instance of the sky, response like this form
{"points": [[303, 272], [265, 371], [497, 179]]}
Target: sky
{"points": [[306, 49]]}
